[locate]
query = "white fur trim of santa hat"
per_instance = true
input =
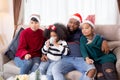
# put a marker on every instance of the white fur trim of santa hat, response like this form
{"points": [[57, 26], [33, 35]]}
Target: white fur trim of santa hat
{"points": [[88, 22], [35, 16]]}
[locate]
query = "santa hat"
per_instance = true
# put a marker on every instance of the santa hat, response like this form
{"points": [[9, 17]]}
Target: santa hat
{"points": [[35, 16], [77, 16], [88, 22]]}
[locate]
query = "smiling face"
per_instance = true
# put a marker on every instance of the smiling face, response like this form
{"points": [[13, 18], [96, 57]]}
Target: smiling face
{"points": [[87, 30], [73, 24], [34, 25]]}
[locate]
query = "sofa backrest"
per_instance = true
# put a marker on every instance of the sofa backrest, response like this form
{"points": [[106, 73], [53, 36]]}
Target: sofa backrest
{"points": [[109, 32]]}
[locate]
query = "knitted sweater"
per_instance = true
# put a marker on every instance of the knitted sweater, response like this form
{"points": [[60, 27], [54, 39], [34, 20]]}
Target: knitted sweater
{"points": [[93, 50], [54, 53], [31, 43]]}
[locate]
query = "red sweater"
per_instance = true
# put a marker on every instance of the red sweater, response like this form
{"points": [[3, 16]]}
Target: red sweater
{"points": [[30, 42]]}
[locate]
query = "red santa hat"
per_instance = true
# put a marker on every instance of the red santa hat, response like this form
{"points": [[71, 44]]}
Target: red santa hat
{"points": [[35, 16], [88, 22], [77, 16]]}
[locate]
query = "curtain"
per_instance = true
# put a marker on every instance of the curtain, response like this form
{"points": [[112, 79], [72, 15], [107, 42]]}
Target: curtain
{"points": [[119, 5], [18, 13], [106, 12], [51, 11], [7, 24], [16, 7]]}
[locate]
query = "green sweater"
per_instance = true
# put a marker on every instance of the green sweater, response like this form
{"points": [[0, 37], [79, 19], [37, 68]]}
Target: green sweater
{"points": [[93, 50]]}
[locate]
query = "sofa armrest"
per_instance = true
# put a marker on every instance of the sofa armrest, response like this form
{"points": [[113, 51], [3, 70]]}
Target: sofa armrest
{"points": [[3, 59], [117, 53]]}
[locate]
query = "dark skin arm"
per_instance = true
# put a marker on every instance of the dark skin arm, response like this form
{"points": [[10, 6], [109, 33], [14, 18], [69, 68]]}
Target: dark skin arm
{"points": [[105, 47]]}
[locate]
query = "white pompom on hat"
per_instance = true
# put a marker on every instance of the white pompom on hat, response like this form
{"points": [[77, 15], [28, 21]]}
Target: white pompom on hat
{"points": [[35, 16], [77, 16], [88, 22]]}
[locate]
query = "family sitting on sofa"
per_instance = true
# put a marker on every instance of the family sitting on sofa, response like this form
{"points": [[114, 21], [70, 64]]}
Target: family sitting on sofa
{"points": [[58, 50]]}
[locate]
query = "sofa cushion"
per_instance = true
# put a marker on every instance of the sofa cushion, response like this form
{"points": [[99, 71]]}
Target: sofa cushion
{"points": [[10, 67], [109, 32], [11, 50]]}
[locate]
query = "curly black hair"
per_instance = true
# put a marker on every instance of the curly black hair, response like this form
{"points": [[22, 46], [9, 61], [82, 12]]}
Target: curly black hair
{"points": [[60, 30]]}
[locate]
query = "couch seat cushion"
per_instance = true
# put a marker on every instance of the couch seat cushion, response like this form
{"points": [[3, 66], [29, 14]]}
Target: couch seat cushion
{"points": [[10, 67]]}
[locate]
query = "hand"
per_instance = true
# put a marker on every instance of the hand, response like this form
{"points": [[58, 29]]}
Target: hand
{"points": [[47, 43], [27, 56], [89, 61], [44, 58], [105, 47]]}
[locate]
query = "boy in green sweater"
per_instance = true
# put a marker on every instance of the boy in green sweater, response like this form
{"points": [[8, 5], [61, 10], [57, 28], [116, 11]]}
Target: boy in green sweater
{"points": [[91, 50]]}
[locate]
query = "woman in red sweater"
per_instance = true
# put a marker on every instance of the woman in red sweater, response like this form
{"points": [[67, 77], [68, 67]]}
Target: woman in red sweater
{"points": [[30, 44]]}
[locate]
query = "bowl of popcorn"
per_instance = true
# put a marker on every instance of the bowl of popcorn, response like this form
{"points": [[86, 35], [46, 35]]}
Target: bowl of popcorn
{"points": [[22, 77]]}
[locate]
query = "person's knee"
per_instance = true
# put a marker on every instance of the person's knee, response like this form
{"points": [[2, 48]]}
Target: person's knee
{"points": [[99, 75], [111, 74], [91, 73], [108, 70]]}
